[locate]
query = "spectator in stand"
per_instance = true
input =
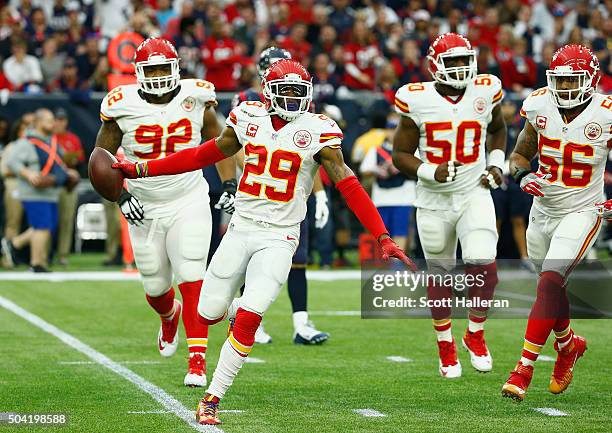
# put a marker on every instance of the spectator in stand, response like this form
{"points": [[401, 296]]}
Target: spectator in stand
{"points": [[41, 174], [387, 82], [486, 61], [418, 25], [222, 56], [489, 28], [59, 17], [281, 26], [21, 69], [88, 57], [74, 158], [508, 11], [325, 80], [245, 29], [301, 11], [98, 82], [372, 139], [189, 47], [361, 55], [408, 67], [233, 10], [378, 11], [342, 17], [296, 44], [520, 71], [547, 53], [164, 13], [38, 30], [321, 19], [454, 22], [505, 44], [328, 38], [76, 31], [51, 62], [69, 81]]}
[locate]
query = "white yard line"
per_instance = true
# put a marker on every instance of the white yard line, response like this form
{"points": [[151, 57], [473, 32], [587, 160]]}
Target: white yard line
{"points": [[546, 358], [251, 360], [398, 359], [335, 313], [550, 411], [369, 413], [160, 412], [118, 362], [166, 400]]}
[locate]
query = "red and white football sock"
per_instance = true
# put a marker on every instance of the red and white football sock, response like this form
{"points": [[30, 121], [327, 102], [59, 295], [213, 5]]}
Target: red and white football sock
{"points": [[442, 328], [163, 304], [196, 331], [441, 315], [563, 331], [487, 274], [234, 352]]}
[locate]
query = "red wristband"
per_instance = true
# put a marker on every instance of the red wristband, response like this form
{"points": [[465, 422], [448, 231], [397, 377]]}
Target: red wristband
{"points": [[186, 160], [361, 205]]}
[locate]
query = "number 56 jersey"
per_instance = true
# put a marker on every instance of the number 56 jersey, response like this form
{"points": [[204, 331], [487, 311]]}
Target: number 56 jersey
{"points": [[279, 166], [152, 131], [573, 153], [451, 130]]}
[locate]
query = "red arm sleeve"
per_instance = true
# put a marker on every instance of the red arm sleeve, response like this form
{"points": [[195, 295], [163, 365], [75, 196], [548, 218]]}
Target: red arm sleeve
{"points": [[361, 205], [186, 160]]}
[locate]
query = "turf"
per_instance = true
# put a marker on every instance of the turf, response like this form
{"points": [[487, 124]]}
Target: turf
{"points": [[298, 389]]}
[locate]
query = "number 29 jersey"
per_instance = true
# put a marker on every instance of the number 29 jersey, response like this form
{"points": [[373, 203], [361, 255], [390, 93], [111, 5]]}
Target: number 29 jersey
{"points": [[152, 131], [279, 166], [573, 153], [451, 130]]}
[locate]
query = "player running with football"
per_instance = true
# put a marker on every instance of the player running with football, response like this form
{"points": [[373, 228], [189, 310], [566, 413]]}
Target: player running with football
{"points": [[448, 121], [284, 145], [304, 331], [569, 128], [170, 221]]}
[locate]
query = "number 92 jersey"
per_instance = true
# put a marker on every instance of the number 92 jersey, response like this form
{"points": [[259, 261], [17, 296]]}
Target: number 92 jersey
{"points": [[152, 131], [574, 153], [279, 166], [451, 130]]}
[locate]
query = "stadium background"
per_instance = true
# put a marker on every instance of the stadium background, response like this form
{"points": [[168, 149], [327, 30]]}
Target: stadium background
{"points": [[359, 53]]}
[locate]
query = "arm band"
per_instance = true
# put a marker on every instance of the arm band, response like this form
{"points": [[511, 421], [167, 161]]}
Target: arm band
{"points": [[497, 158], [427, 172]]}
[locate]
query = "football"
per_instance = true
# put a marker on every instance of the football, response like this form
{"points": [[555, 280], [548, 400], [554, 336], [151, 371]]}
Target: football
{"points": [[105, 179]]}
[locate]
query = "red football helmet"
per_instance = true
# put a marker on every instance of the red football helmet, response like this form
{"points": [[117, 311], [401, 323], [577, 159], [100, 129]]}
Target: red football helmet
{"points": [[154, 52], [447, 46], [287, 89], [573, 75]]}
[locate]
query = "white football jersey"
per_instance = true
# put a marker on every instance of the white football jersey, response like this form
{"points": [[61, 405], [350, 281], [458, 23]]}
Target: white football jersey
{"points": [[451, 130], [573, 153], [152, 131], [279, 166]]}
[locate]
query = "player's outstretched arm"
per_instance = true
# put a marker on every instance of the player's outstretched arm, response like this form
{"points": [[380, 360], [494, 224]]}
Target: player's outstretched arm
{"points": [[359, 202], [520, 162], [405, 144], [186, 160], [109, 136], [496, 145]]}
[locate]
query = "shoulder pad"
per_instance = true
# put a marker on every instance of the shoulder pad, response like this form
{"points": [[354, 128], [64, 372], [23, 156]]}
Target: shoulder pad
{"points": [[408, 96], [537, 100], [118, 102]]}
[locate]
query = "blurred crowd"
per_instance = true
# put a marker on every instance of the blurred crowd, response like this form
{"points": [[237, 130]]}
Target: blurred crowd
{"points": [[60, 45]]}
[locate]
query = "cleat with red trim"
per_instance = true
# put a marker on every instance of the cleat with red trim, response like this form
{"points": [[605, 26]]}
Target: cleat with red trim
{"points": [[207, 412], [567, 357], [480, 357], [518, 382], [196, 375], [450, 367], [167, 339]]}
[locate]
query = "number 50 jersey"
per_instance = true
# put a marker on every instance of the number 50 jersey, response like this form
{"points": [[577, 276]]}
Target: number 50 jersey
{"points": [[574, 153], [279, 166], [451, 130], [152, 131]]}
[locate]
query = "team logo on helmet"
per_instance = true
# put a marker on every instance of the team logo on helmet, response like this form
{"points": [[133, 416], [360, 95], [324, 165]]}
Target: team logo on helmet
{"points": [[480, 105], [593, 131], [188, 103], [302, 139], [541, 122]]}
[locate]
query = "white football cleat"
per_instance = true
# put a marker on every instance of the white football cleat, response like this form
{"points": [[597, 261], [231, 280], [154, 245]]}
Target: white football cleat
{"points": [[196, 376], [167, 339], [261, 336], [480, 357], [449, 365], [308, 334]]}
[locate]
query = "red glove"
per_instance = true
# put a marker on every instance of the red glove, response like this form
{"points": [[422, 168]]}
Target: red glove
{"points": [[131, 170], [390, 249], [606, 209]]}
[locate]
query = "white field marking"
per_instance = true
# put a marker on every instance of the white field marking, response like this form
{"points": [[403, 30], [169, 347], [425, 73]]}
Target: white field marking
{"points": [[546, 358], [166, 400], [118, 362], [550, 411], [231, 411], [398, 359], [250, 360], [153, 412], [335, 313], [369, 413]]}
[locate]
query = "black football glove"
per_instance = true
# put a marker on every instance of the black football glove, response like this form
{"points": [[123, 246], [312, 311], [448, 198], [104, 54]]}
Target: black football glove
{"points": [[131, 208], [226, 202]]}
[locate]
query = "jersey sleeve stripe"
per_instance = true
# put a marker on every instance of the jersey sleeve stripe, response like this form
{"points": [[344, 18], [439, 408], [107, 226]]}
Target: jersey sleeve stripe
{"points": [[105, 118], [233, 118], [402, 106], [498, 97], [523, 114], [330, 136]]}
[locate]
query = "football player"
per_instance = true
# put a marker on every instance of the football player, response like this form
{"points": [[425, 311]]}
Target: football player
{"points": [[284, 146], [304, 331], [569, 128], [170, 221], [453, 121]]}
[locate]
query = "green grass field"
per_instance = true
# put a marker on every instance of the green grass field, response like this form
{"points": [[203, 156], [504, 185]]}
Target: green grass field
{"points": [[297, 389]]}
